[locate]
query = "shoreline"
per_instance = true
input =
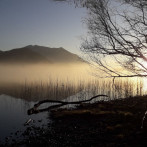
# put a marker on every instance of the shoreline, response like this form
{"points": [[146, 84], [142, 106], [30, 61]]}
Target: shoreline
{"points": [[104, 123]]}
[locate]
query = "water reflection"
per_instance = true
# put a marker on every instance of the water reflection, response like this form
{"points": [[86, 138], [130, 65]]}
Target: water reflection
{"points": [[13, 115], [87, 86]]}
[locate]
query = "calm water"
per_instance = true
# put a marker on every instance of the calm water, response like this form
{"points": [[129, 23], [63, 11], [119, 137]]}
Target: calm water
{"points": [[13, 115], [13, 111]]}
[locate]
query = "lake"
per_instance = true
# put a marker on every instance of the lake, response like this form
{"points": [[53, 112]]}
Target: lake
{"points": [[13, 116], [16, 99]]}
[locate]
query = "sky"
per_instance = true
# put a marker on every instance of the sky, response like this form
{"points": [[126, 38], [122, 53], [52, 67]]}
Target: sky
{"points": [[40, 22]]}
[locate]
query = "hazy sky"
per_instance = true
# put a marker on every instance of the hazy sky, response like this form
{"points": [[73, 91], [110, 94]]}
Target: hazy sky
{"points": [[41, 22]]}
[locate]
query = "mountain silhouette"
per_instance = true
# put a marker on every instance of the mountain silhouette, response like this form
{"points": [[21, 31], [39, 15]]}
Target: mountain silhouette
{"points": [[39, 54]]}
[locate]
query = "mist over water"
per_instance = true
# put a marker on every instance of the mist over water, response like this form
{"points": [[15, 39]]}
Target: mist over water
{"points": [[34, 82], [41, 72], [15, 79]]}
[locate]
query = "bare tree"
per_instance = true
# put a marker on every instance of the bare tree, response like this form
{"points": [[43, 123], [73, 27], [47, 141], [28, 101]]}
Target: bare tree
{"points": [[118, 33], [117, 36]]}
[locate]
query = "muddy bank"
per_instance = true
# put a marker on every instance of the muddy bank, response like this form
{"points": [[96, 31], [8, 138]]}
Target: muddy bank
{"points": [[113, 123]]}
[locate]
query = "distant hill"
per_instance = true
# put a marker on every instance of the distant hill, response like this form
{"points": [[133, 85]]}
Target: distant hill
{"points": [[39, 54]]}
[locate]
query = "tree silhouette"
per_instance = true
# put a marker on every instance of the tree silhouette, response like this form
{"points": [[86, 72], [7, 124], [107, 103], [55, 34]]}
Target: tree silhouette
{"points": [[117, 35]]}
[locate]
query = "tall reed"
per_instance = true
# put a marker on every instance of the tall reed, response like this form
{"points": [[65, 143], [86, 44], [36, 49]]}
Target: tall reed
{"points": [[79, 89]]}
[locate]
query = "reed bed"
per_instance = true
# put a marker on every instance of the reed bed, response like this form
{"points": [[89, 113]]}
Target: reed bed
{"points": [[80, 89]]}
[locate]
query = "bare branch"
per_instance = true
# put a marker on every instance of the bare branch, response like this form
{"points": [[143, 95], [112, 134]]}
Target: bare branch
{"points": [[118, 32], [34, 110]]}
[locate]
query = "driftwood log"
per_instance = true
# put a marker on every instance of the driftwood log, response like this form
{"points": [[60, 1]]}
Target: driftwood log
{"points": [[35, 109]]}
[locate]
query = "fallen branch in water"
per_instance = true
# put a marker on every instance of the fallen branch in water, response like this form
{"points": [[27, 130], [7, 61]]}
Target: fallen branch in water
{"points": [[34, 110]]}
